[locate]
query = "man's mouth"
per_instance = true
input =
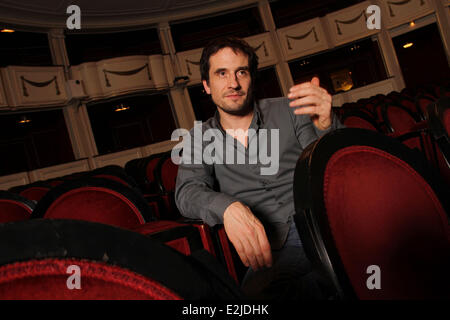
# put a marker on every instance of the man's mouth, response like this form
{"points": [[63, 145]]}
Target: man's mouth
{"points": [[234, 95]]}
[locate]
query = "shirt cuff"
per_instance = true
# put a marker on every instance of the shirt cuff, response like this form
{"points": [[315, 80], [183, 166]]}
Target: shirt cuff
{"points": [[218, 206], [334, 125]]}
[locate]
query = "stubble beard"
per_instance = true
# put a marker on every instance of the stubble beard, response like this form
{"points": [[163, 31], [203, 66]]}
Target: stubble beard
{"points": [[244, 109]]}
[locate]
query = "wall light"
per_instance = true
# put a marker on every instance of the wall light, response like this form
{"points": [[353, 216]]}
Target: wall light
{"points": [[24, 120], [408, 45], [412, 24], [7, 30], [121, 108]]}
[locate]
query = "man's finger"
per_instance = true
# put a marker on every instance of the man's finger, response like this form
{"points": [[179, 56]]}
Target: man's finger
{"points": [[306, 101], [303, 85], [265, 249], [303, 92], [241, 252], [251, 256], [315, 81], [306, 110]]}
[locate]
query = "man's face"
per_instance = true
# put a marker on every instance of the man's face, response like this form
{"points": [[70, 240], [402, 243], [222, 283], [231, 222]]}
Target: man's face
{"points": [[229, 81]]}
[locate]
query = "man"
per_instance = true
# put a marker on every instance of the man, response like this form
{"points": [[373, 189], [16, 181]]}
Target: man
{"points": [[256, 209]]}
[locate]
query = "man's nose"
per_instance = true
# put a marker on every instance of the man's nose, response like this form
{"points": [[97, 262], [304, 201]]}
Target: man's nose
{"points": [[233, 82]]}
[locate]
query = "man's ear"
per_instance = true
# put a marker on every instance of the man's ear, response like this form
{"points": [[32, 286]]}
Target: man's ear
{"points": [[206, 86]]}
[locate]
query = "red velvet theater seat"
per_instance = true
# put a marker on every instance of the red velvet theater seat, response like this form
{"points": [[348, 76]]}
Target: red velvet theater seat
{"points": [[34, 191], [359, 119], [97, 200], [71, 260], [423, 100], [409, 129], [165, 175], [142, 170], [364, 200], [14, 207], [113, 172], [438, 115]]}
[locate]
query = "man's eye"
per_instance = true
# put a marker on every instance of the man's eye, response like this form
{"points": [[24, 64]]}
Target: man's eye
{"points": [[222, 73], [242, 73]]}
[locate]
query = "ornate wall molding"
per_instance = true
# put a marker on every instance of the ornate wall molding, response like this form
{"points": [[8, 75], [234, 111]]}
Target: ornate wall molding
{"points": [[194, 63], [301, 37], [349, 24], [262, 45], [116, 76], [126, 73], [350, 21], [38, 85], [35, 86], [398, 12], [400, 3]]}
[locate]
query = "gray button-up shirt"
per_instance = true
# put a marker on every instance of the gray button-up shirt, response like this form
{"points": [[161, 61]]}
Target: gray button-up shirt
{"points": [[207, 185]]}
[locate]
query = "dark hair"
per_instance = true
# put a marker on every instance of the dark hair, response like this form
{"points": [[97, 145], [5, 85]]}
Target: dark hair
{"points": [[238, 45]]}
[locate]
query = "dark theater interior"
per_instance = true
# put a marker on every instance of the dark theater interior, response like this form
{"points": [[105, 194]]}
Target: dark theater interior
{"points": [[96, 205]]}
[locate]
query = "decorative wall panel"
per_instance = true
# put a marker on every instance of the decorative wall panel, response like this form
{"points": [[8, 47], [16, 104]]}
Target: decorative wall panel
{"points": [[35, 86], [302, 39], [117, 76], [262, 43], [397, 12], [349, 24], [190, 64]]}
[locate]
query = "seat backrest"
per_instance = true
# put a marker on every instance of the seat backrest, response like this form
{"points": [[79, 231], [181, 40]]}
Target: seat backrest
{"points": [[373, 207], [143, 171], [358, 119], [33, 191], [398, 119], [166, 174], [115, 173], [70, 260], [423, 100], [446, 120], [96, 200], [14, 207], [438, 119]]}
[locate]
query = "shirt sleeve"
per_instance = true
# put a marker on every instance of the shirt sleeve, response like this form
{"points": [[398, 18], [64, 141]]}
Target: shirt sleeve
{"points": [[195, 196], [305, 129]]}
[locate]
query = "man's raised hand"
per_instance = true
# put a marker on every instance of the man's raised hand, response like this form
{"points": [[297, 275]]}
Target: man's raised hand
{"points": [[313, 100]]}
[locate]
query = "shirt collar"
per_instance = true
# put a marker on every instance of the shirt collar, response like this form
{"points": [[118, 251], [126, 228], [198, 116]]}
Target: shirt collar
{"points": [[257, 120]]}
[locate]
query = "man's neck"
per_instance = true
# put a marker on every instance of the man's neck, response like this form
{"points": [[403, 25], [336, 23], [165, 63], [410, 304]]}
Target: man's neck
{"points": [[235, 122]]}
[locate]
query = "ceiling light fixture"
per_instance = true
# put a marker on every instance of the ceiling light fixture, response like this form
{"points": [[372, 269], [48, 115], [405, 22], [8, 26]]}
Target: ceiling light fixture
{"points": [[412, 24], [7, 30]]}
